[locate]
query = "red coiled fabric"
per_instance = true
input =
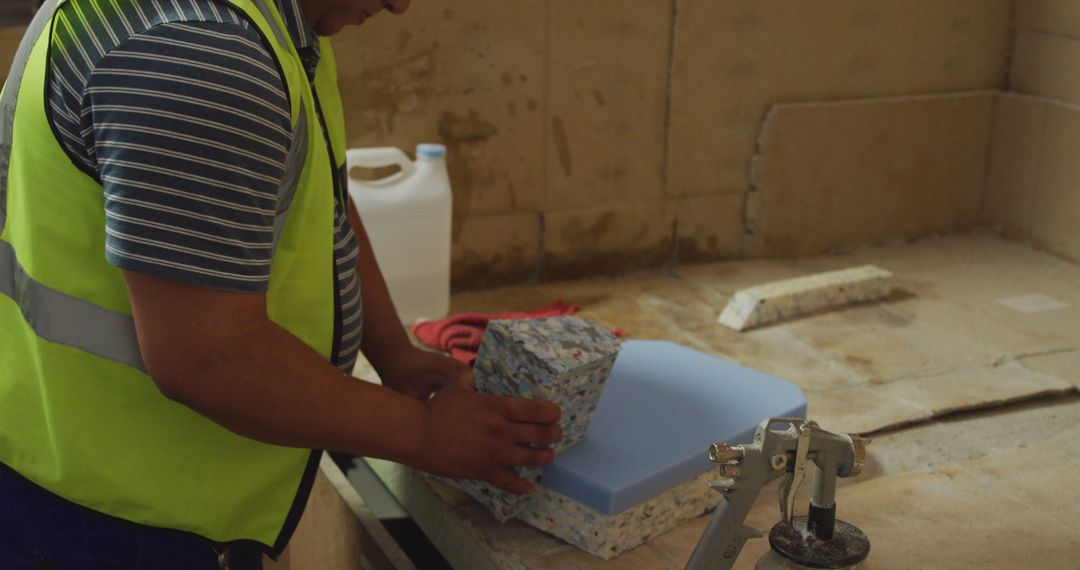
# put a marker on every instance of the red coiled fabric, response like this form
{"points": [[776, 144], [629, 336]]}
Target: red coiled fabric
{"points": [[461, 334]]}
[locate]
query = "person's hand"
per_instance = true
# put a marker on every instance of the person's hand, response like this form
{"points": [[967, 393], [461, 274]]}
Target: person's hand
{"points": [[475, 436], [418, 373]]}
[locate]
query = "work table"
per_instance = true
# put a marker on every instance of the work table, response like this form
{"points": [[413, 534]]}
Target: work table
{"points": [[971, 404]]}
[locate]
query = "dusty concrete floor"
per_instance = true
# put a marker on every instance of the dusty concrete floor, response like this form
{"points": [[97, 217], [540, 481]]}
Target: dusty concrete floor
{"points": [[972, 404]]}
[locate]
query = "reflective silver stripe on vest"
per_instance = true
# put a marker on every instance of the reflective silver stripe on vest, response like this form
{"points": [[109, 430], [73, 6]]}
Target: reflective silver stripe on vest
{"points": [[7, 103], [57, 317], [54, 316], [268, 15]]}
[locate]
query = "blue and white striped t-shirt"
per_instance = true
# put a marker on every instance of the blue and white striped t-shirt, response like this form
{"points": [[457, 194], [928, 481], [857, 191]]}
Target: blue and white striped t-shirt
{"points": [[179, 110]]}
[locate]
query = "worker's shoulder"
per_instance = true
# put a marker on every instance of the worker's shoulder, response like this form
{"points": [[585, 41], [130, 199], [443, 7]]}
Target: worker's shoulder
{"points": [[97, 28], [143, 56]]}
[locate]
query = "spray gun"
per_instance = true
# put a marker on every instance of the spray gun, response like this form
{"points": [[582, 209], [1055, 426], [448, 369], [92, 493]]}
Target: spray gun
{"points": [[784, 447]]}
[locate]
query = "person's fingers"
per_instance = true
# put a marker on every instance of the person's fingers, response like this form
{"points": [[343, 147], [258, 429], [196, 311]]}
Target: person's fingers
{"points": [[506, 480], [537, 434], [533, 457], [531, 411]]}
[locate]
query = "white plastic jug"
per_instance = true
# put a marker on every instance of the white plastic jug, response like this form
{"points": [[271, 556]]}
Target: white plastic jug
{"points": [[407, 218]]}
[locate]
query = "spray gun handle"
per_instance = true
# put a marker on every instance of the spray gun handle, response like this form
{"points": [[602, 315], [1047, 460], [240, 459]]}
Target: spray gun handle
{"points": [[747, 469], [725, 535]]}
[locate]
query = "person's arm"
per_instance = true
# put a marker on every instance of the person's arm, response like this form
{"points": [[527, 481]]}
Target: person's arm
{"points": [[189, 219], [218, 353]]}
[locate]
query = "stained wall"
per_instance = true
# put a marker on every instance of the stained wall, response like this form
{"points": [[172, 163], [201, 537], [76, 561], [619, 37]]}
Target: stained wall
{"points": [[1033, 183], [609, 136], [613, 135]]}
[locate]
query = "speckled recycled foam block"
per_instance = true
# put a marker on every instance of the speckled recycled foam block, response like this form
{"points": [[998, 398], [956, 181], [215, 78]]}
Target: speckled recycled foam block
{"points": [[566, 360], [608, 536], [642, 467], [770, 302]]}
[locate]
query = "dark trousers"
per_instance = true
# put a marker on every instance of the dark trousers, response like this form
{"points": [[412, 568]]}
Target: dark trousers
{"points": [[40, 531]]}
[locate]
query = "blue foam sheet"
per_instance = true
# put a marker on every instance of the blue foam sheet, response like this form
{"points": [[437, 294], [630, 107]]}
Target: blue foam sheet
{"points": [[663, 405]]}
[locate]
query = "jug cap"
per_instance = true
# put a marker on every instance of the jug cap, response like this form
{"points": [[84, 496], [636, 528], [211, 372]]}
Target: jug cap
{"points": [[430, 150]]}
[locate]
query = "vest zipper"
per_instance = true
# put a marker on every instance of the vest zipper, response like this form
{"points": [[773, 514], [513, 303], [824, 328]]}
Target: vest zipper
{"points": [[335, 357]]}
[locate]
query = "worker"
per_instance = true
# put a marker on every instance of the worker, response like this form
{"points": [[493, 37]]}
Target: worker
{"points": [[184, 288]]}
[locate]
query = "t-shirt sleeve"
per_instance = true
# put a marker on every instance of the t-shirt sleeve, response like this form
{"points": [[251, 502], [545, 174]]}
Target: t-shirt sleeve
{"points": [[190, 125]]}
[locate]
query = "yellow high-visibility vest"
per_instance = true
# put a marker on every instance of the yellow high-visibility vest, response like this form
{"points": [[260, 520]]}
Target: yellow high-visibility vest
{"points": [[79, 415]]}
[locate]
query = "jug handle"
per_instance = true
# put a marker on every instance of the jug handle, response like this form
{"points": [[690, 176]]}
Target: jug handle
{"points": [[376, 158]]}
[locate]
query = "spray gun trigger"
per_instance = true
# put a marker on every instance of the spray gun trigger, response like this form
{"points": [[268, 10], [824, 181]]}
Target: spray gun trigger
{"points": [[795, 478], [785, 489]]}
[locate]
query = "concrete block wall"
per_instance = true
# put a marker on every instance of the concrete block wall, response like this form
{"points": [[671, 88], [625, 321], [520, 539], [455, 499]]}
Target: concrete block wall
{"points": [[608, 136], [735, 60], [1033, 180], [555, 116], [834, 175]]}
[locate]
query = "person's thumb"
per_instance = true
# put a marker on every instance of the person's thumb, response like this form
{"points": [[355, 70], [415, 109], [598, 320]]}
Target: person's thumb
{"points": [[465, 380]]}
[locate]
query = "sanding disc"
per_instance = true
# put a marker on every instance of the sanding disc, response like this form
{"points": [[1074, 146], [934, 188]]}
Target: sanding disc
{"points": [[848, 547]]}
